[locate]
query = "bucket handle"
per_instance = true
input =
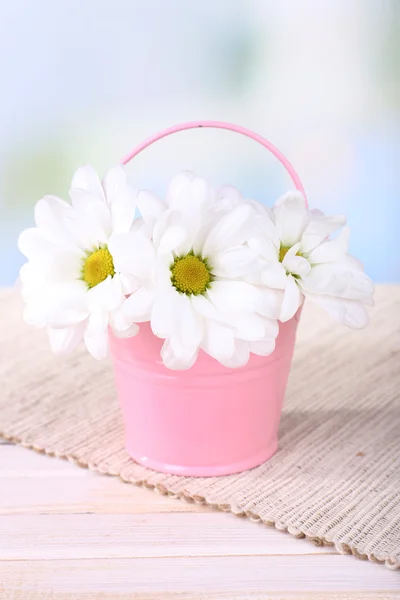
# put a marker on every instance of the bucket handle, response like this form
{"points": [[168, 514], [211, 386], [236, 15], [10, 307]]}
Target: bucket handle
{"points": [[220, 125]]}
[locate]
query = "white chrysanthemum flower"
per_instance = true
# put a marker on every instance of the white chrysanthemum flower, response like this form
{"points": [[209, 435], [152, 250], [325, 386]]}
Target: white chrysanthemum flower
{"points": [[197, 298], [300, 260], [74, 283]]}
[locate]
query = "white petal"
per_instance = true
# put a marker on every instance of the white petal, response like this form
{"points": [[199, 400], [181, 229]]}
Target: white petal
{"points": [[269, 303], [29, 273], [200, 226], [66, 317], [204, 307], [171, 239], [291, 218], [53, 262], [50, 213], [266, 227], [218, 341], [265, 247], [291, 300], [188, 324], [255, 277], [106, 296], [162, 270], [235, 262], [319, 228], [114, 184], [35, 245], [121, 198], [331, 250], [297, 265], [192, 207], [271, 328], [96, 334], [228, 197], [133, 253], [151, 208], [263, 348], [163, 313], [139, 225], [65, 267], [122, 325], [129, 332], [240, 356], [68, 305], [339, 279], [231, 230], [92, 223], [233, 296], [180, 351], [139, 304], [129, 283], [168, 219], [172, 362], [252, 327], [173, 317], [194, 221], [65, 340], [200, 194], [261, 209], [186, 192], [33, 285], [352, 262], [86, 178], [351, 313], [274, 275], [178, 186], [368, 301]]}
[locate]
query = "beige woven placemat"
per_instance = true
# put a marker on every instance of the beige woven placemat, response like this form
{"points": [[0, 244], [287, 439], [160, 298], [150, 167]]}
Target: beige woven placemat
{"points": [[336, 476]]}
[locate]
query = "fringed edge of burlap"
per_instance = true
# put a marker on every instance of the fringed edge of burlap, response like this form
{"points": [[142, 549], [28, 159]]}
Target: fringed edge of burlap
{"points": [[342, 548]]}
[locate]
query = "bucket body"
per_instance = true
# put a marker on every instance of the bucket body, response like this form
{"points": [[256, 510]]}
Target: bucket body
{"points": [[208, 420]]}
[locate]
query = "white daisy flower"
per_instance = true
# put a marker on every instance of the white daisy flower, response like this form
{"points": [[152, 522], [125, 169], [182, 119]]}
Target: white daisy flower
{"points": [[74, 283], [197, 298], [300, 260]]}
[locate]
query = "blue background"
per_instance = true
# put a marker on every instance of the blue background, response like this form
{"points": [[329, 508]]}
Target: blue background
{"points": [[83, 81]]}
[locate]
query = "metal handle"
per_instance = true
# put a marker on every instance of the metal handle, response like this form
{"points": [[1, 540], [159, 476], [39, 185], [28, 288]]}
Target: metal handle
{"points": [[220, 125]]}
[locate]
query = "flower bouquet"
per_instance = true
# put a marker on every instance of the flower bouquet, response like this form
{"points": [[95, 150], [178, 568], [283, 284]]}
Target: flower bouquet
{"points": [[197, 295]]}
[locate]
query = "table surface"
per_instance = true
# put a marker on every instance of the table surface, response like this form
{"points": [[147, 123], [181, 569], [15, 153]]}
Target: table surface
{"points": [[67, 533]]}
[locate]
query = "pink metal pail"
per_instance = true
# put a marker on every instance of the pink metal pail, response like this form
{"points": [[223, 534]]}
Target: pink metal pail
{"points": [[208, 420]]}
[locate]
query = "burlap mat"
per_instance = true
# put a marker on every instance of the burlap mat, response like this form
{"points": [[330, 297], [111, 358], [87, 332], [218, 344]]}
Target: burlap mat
{"points": [[336, 476]]}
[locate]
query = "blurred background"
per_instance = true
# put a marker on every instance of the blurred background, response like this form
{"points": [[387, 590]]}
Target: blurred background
{"points": [[83, 81]]}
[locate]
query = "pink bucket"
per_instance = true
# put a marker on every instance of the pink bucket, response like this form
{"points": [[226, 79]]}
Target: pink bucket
{"points": [[209, 420]]}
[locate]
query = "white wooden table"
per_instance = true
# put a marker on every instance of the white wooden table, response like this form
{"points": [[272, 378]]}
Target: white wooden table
{"points": [[69, 534]]}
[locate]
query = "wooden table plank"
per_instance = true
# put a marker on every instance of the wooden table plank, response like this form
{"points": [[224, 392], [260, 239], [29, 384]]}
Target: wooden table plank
{"points": [[32, 483], [200, 575], [69, 534], [209, 595], [43, 537]]}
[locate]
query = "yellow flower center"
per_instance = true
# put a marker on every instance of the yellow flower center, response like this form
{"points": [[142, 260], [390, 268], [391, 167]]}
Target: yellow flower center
{"points": [[191, 274], [97, 266], [282, 253]]}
